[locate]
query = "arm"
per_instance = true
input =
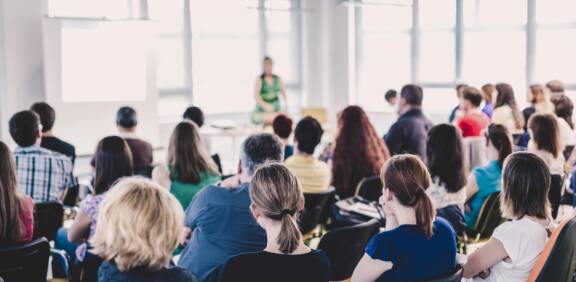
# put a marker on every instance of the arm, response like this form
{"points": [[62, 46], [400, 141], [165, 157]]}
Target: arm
{"points": [[394, 139], [161, 176], [369, 269], [79, 228], [283, 94], [258, 98], [484, 258], [471, 186]]}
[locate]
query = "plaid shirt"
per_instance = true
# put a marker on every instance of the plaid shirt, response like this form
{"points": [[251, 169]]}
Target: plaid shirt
{"points": [[43, 174]]}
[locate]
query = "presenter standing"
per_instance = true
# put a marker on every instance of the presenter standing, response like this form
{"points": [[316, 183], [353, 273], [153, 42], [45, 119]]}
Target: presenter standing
{"points": [[269, 88]]}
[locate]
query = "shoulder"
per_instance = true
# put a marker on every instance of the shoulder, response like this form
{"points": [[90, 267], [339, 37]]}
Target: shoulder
{"points": [[442, 226], [240, 264], [179, 274]]}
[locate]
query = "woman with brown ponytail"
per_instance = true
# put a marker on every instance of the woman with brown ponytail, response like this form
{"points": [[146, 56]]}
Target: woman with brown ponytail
{"points": [[277, 200], [416, 245]]}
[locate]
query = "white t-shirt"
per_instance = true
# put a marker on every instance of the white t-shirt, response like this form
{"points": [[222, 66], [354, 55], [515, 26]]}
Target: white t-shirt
{"points": [[523, 240], [442, 198], [566, 133]]}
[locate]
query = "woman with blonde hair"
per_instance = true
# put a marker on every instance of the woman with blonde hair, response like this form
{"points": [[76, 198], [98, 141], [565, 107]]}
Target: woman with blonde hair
{"points": [[189, 167], [277, 199], [139, 225]]}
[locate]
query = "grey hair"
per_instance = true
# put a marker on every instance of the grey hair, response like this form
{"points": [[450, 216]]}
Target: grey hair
{"points": [[259, 148]]}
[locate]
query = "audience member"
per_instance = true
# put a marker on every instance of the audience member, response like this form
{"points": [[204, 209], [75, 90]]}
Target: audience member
{"points": [[142, 153], [545, 141], [455, 112], [473, 121], [506, 111], [219, 216], [391, 97], [358, 151], [194, 114], [49, 141], [416, 245], [515, 245], [42, 174], [563, 108], [313, 175], [488, 95], [277, 201], [446, 166], [17, 210], [408, 133], [539, 103], [138, 229], [557, 88], [282, 126], [113, 160], [485, 180], [189, 167]]}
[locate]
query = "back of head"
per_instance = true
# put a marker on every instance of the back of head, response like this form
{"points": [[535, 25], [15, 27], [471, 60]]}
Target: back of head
{"points": [[445, 156], [282, 126], [194, 114], [412, 94], [276, 193], [390, 94], [563, 108], [10, 206], [505, 95], [556, 86], [139, 224], [407, 177], [126, 117], [46, 113], [546, 133], [308, 135], [112, 161], [459, 89], [24, 128], [472, 95], [499, 137], [525, 184], [258, 149], [488, 92], [537, 93]]}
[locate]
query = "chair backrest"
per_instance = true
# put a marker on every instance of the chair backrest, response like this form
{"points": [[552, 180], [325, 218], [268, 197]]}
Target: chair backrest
{"points": [[490, 216], [454, 276], [474, 152], [568, 151], [315, 207], [145, 172], [370, 188], [555, 193], [48, 218], [558, 259], [25, 262], [319, 113], [345, 247], [87, 269]]}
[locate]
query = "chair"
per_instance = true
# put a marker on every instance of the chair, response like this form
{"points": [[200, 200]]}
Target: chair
{"points": [[488, 219], [568, 151], [25, 262], [345, 247], [315, 206], [216, 159], [555, 193], [455, 276], [474, 152], [87, 270], [370, 188], [48, 218], [145, 172], [558, 259]]}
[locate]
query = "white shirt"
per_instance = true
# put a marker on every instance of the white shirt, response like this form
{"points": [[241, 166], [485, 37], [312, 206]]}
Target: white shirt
{"points": [[556, 165], [442, 198], [523, 241], [566, 133]]}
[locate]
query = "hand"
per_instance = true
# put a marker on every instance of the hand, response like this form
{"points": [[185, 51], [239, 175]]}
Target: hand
{"points": [[183, 240], [268, 108], [232, 181], [467, 208]]}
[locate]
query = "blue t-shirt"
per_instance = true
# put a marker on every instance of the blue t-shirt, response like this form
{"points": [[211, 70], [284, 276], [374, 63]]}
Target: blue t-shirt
{"points": [[414, 256], [488, 181], [223, 226]]}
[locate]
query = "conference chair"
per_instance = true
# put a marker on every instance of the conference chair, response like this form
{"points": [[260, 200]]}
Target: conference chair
{"points": [[87, 270], [454, 276], [489, 218], [370, 188], [345, 247], [474, 152], [555, 193], [315, 209], [25, 262], [48, 218], [558, 259]]}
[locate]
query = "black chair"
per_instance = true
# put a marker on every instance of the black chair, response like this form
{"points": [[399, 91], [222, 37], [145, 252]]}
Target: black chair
{"points": [[48, 218], [489, 218], [315, 206], [216, 159], [555, 193], [345, 247], [87, 270], [144, 172], [568, 151], [370, 188], [25, 262], [455, 276]]}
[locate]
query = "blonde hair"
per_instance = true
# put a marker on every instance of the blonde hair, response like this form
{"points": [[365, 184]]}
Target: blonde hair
{"points": [[139, 224], [276, 192]]}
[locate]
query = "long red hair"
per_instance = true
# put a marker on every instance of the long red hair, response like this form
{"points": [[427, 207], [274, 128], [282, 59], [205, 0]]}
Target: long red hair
{"points": [[358, 151]]}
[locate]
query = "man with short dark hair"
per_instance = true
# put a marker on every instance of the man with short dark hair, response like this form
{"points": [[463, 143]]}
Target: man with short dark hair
{"points": [[408, 134], [391, 97], [42, 174], [194, 114], [473, 121], [454, 113], [142, 152], [314, 175], [219, 216], [49, 141]]}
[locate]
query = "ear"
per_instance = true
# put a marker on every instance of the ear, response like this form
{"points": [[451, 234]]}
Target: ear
{"points": [[255, 212]]}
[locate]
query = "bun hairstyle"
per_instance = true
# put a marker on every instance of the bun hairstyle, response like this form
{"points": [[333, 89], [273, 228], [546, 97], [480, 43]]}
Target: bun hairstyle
{"points": [[407, 177], [499, 137], [276, 193]]}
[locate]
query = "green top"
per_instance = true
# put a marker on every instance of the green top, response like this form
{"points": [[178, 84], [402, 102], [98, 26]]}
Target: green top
{"points": [[184, 192], [270, 93]]}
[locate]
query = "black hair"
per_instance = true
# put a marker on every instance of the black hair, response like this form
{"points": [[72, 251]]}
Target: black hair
{"points": [[499, 137], [473, 95], [412, 94], [46, 113], [112, 161], [194, 114], [126, 117], [24, 128], [282, 126], [308, 135], [390, 94], [445, 156]]}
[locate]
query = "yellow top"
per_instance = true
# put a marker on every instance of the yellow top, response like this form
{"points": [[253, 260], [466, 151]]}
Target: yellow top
{"points": [[314, 175]]}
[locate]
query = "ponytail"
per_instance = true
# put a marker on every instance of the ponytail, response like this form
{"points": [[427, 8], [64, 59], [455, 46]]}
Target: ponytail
{"points": [[289, 236], [500, 139], [425, 214]]}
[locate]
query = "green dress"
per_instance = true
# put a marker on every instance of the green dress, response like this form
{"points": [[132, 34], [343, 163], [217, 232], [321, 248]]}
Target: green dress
{"points": [[270, 93], [184, 192]]}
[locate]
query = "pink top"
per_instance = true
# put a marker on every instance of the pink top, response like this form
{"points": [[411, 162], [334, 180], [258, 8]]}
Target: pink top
{"points": [[27, 218]]}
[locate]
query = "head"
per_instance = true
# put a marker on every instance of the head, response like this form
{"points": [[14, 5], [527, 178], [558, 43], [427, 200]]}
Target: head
{"points": [[46, 113], [498, 139], [545, 133], [139, 224], [112, 161], [556, 87], [308, 135], [267, 65], [126, 118], [194, 114], [405, 180], [258, 149], [536, 94], [459, 88], [488, 92], [563, 108], [411, 96], [505, 95], [11, 229], [391, 97], [278, 199], [187, 154], [282, 126], [445, 156], [525, 185], [471, 99], [25, 128]]}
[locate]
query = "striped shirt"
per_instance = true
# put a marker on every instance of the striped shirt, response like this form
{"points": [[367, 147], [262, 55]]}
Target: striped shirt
{"points": [[43, 174]]}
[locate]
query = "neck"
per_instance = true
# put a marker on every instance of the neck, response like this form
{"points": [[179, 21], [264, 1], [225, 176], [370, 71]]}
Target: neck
{"points": [[305, 155], [406, 215], [47, 133], [409, 108], [273, 228], [126, 130]]}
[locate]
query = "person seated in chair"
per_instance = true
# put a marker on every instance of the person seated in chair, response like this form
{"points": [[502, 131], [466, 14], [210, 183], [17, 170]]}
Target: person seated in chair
{"points": [[473, 121], [49, 141], [142, 152]]}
